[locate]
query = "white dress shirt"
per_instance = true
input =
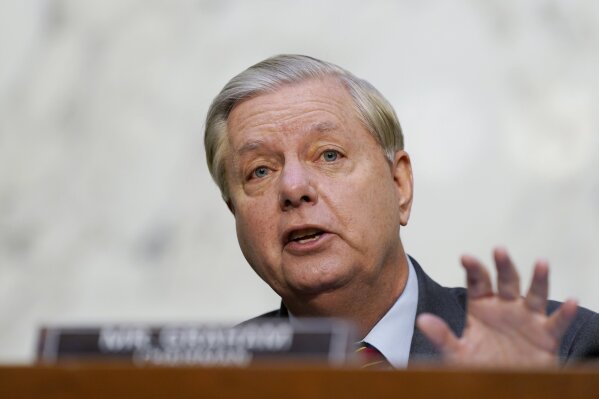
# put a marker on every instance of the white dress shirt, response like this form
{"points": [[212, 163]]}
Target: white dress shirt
{"points": [[392, 335]]}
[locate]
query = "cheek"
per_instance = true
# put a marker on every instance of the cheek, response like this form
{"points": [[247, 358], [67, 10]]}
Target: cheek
{"points": [[258, 239], [255, 231], [369, 210]]}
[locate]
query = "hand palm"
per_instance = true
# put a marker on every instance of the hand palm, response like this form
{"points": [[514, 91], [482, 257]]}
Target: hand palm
{"points": [[503, 329]]}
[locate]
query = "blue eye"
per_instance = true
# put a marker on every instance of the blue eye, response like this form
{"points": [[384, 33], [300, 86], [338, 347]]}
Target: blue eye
{"points": [[330, 155], [260, 172]]}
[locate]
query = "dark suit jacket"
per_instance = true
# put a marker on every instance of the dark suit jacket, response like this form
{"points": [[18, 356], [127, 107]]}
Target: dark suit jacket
{"points": [[581, 341]]}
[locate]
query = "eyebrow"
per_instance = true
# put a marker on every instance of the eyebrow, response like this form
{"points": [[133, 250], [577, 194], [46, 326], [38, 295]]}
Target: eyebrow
{"points": [[320, 127], [251, 146], [323, 127]]}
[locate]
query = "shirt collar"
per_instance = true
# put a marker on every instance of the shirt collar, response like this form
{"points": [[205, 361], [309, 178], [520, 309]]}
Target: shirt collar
{"points": [[392, 335]]}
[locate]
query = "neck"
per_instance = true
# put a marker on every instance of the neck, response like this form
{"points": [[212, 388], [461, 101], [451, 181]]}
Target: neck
{"points": [[362, 302]]}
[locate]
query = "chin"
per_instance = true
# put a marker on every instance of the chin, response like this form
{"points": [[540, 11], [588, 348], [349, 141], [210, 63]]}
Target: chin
{"points": [[313, 277], [314, 289], [319, 284], [322, 298]]}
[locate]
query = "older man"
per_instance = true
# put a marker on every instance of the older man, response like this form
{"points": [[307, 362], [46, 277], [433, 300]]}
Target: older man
{"points": [[310, 161]]}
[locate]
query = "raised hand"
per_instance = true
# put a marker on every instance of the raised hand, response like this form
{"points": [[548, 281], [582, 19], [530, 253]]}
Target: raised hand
{"points": [[503, 329]]}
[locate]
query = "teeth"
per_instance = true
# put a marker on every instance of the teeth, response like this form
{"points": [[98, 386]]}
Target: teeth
{"points": [[305, 235], [308, 239]]}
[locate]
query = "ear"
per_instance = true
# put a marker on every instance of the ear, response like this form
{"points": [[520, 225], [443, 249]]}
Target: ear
{"points": [[404, 181]]}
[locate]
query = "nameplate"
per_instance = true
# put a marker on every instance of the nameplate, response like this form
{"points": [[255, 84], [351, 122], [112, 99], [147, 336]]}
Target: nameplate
{"points": [[319, 340]]}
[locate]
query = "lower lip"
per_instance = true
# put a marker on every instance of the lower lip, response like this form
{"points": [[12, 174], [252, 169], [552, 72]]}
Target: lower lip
{"points": [[299, 248]]}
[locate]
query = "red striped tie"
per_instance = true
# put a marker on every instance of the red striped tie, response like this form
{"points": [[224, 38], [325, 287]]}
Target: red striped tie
{"points": [[370, 357]]}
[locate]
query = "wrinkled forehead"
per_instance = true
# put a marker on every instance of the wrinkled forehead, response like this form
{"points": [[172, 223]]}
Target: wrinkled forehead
{"points": [[318, 105]]}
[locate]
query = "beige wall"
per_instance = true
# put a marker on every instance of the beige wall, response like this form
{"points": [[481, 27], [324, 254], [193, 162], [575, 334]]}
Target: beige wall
{"points": [[107, 211]]}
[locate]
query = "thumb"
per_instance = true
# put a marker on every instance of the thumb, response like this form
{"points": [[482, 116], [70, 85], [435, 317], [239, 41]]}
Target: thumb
{"points": [[437, 331]]}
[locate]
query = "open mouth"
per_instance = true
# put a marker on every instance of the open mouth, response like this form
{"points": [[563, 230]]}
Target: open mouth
{"points": [[304, 235]]}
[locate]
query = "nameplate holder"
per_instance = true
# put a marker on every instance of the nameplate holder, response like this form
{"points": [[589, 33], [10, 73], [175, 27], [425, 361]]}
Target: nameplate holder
{"points": [[312, 340]]}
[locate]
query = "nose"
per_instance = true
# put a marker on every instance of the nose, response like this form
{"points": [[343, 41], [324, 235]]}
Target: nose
{"points": [[296, 187]]}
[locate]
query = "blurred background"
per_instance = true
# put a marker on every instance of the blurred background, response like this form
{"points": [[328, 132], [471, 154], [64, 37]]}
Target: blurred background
{"points": [[107, 210]]}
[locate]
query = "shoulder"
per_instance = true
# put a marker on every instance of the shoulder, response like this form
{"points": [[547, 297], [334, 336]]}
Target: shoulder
{"points": [[581, 341]]}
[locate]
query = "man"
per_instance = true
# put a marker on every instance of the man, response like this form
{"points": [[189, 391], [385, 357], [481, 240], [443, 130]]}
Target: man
{"points": [[310, 161]]}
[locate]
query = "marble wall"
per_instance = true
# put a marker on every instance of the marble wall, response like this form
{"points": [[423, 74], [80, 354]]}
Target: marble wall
{"points": [[108, 213]]}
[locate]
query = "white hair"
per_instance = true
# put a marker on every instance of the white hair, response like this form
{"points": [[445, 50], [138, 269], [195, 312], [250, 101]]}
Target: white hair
{"points": [[267, 76]]}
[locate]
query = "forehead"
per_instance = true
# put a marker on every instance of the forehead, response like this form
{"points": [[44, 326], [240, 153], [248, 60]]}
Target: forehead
{"points": [[316, 104]]}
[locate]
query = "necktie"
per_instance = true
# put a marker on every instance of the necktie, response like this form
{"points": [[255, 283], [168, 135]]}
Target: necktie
{"points": [[370, 358]]}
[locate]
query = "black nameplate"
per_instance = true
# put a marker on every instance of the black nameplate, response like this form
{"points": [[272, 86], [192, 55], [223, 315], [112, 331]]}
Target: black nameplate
{"points": [[322, 340]]}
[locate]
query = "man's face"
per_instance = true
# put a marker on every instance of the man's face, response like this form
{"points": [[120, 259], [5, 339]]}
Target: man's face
{"points": [[317, 204]]}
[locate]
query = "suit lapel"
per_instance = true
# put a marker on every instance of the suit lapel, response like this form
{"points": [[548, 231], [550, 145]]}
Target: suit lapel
{"points": [[447, 303]]}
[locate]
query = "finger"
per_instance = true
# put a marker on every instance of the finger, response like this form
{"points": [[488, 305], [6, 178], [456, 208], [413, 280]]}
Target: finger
{"points": [[560, 320], [477, 278], [508, 281], [536, 299], [437, 331]]}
